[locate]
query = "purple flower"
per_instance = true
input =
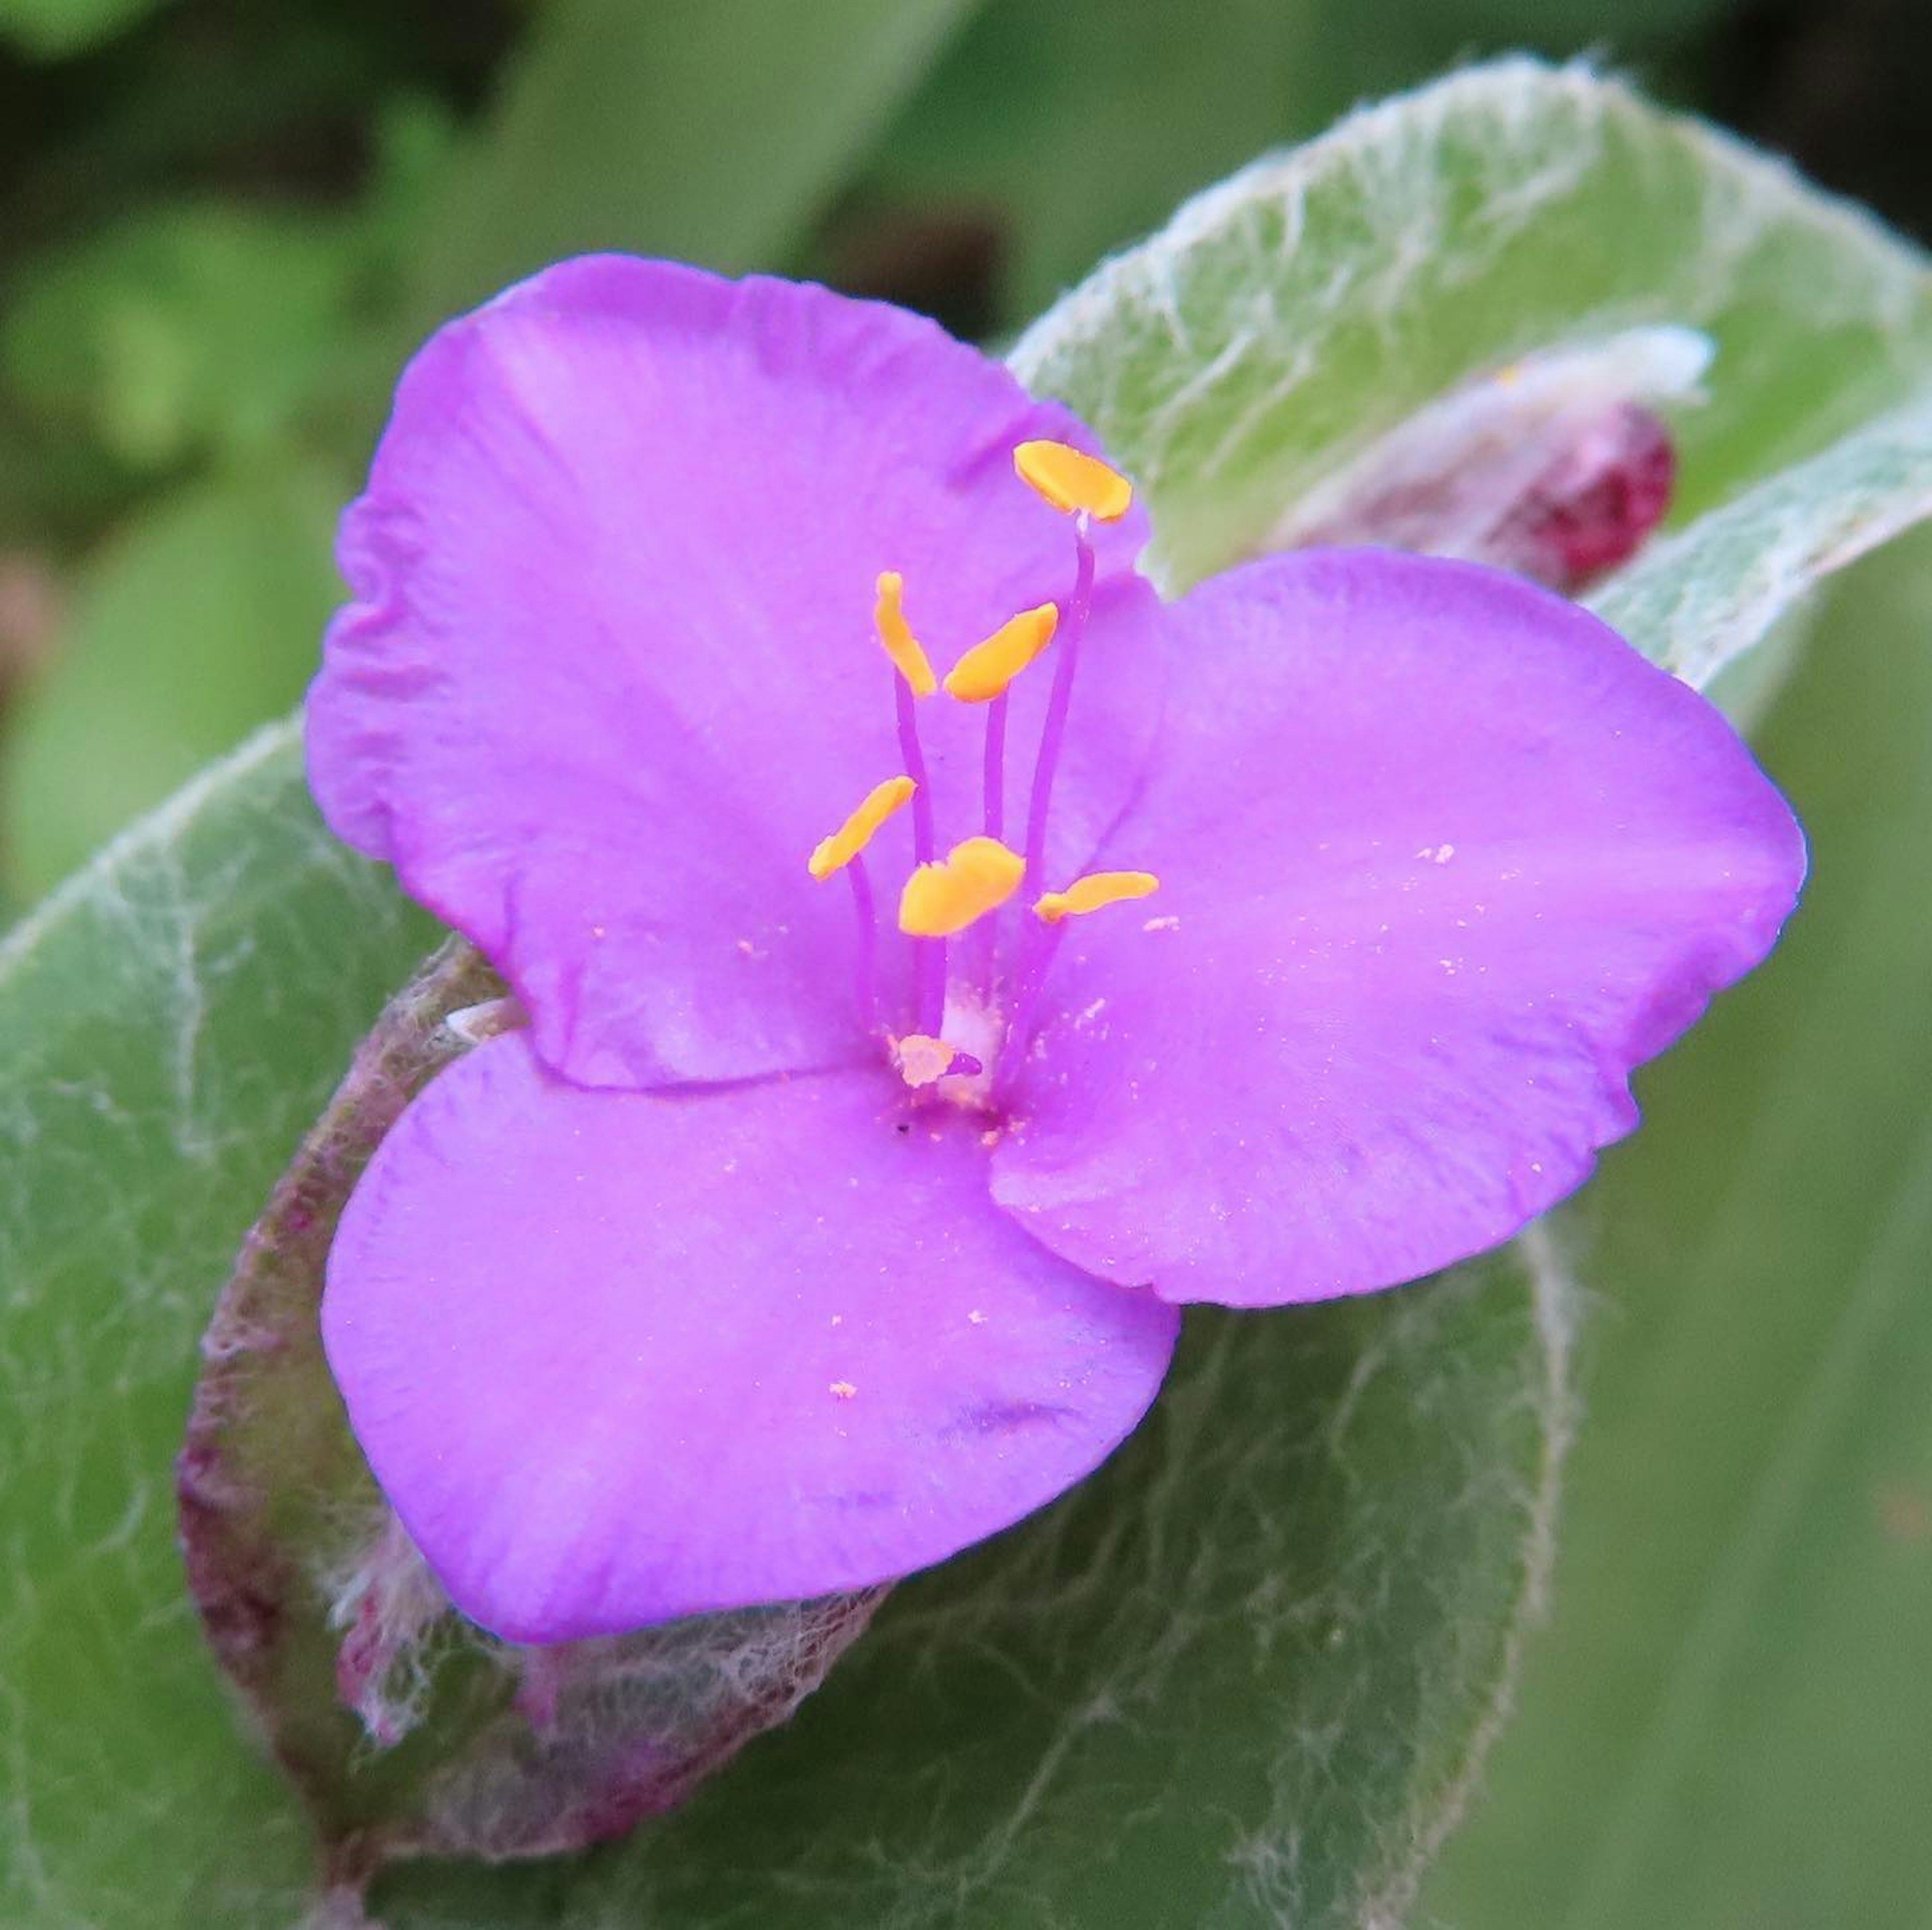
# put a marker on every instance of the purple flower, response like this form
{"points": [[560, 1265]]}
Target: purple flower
{"points": [[795, 1245]]}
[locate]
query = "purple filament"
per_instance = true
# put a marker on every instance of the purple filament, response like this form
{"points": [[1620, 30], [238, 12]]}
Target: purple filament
{"points": [[1040, 940], [996, 767], [862, 904], [928, 953], [931, 985], [913, 758], [1054, 729]]}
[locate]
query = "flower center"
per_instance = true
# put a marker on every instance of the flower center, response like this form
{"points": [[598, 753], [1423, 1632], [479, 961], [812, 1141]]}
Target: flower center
{"points": [[970, 1031]]}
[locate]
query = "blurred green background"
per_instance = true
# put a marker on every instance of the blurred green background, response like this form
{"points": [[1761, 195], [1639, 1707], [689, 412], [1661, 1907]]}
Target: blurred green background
{"points": [[223, 223]]}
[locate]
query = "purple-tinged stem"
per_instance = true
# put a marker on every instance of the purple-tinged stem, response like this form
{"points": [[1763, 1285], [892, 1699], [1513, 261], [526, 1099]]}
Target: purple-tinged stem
{"points": [[868, 927], [1067, 657]]}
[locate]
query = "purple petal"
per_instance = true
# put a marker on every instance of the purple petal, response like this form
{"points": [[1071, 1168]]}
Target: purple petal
{"points": [[610, 674], [1442, 859], [619, 1357]]}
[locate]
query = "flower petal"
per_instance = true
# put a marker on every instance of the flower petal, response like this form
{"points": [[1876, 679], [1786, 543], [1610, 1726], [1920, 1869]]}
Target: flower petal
{"points": [[609, 676], [1441, 860], [618, 1357]]}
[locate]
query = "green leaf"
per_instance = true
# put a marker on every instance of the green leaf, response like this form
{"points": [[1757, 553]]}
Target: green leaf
{"points": [[193, 625], [1727, 1723], [53, 29], [1286, 320], [328, 1624], [1245, 1671], [169, 1025], [1699, 601], [711, 130], [1083, 122], [188, 328], [1069, 131], [1246, 1674]]}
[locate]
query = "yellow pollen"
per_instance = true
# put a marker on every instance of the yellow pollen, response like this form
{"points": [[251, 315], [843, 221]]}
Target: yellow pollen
{"points": [[1072, 481], [922, 1058], [986, 670], [1090, 893], [972, 879], [834, 853], [896, 633]]}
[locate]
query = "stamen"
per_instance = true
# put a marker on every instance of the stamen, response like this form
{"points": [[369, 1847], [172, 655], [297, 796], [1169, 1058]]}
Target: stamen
{"points": [[986, 670], [924, 1060], [881, 802], [914, 679], [909, 659], [975, 878], [1090, 893], [1074, 481]]}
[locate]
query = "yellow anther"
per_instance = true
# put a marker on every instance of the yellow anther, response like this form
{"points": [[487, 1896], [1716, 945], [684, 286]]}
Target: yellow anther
{"points": [[896, 633], [1072, 481], [834, 853], [986, 670], [1090, 893], [972, 879], [922, 1059]]}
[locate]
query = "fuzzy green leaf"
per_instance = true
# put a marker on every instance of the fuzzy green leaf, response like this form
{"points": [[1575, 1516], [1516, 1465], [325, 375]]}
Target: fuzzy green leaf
{"points": [[1697, 601], [1284, 321], [1251, 1662], [1727, 1723], [1247, 1673]]}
